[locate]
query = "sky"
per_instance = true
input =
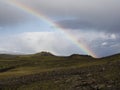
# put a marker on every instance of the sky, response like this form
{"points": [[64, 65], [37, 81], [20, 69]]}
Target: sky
{"points": [[94, 24]]}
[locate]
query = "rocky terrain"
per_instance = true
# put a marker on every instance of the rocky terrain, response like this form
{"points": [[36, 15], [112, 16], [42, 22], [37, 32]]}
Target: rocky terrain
{"points": [[49, 72]]}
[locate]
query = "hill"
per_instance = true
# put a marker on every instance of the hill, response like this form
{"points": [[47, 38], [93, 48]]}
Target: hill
{"points": [[45, 71], [44, 54]]}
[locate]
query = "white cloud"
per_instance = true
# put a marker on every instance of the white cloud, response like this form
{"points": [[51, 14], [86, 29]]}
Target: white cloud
{"points": [[32, 42], [113, 36], [90, 36], [58, 43], [104, 43]]}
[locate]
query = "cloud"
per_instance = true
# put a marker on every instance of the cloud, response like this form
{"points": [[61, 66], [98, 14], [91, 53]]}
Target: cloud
{"points": [[99, 15], [32, 42], [10, 15], [102, 15], [91, 25], [75, 7], [104, 43], [96, 22], [106, 46], [101, 43]]}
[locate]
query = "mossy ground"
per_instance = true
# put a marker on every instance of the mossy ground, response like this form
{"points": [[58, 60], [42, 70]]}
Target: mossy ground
{"points": [[31, 72]]}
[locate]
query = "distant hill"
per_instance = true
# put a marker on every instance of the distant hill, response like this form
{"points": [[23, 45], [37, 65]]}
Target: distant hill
{"points": [[44, 54], [7, 56], [79, 56]]}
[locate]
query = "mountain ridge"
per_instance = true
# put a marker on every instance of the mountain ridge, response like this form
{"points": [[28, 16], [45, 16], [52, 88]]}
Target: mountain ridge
{"points": [[45, 53]]}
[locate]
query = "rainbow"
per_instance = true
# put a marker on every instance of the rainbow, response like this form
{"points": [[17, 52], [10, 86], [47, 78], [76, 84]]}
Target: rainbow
{"points": [[43, 17]]}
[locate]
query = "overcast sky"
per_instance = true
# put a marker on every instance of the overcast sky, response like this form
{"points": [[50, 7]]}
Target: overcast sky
{"points": [[96, 22]]}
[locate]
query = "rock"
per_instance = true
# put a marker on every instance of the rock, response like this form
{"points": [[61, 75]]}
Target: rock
{"points": [[95, 87], [103, 69], [109, 86], [101, 86], [89, 75]]}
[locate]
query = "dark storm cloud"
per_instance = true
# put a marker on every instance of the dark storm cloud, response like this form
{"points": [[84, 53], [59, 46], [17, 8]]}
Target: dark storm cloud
{"points": [[105, 47], [109, 49], [77, 24], [101, 15]]}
